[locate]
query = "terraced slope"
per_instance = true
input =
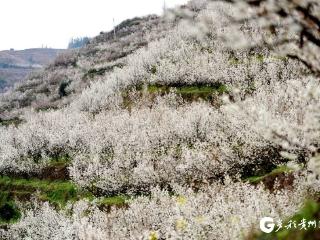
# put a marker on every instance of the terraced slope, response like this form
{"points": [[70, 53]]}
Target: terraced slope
{"points": [[16, 65], [162, 132], [71, 72]]}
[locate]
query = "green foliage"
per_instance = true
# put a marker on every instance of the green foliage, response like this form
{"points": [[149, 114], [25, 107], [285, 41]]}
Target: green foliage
{"points": [[59, 160], [206, 92], [101, 71], [96, 72], [113, 201], [62, 88], [58, 193], [153, 69], [45, 108], [190, 91], [55, 192], [234, 61], [274, 172], [78, 42], [258, 58], [9, 212], [7, 122]]}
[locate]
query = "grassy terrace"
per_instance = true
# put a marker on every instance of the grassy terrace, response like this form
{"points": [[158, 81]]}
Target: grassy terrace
{"points": [[14, 121], [281, 177], [258, 58], [273, 174], [189, 93], [56, 192], [93, 72]]}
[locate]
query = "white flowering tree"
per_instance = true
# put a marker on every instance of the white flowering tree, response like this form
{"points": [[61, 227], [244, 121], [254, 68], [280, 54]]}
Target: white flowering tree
{"points": [[293, 27]]}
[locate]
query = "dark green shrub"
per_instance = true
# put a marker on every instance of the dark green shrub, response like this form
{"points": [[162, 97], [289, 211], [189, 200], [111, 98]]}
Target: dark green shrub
{"points": [[62, 88]]}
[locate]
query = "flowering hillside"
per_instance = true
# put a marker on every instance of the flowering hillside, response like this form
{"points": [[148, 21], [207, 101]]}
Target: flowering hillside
{"points": [[193, 125]]}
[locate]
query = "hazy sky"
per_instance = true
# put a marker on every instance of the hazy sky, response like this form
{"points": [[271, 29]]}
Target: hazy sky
{"points": [[33, 23]]}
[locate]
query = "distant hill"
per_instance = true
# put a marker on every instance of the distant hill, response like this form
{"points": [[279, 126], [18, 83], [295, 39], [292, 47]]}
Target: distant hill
{"points": [[16, 65], [176, 127], [72, 71]]}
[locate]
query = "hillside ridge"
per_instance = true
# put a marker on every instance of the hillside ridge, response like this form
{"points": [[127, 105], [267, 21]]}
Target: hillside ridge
{"points": [[16, 65], [192, 125]]}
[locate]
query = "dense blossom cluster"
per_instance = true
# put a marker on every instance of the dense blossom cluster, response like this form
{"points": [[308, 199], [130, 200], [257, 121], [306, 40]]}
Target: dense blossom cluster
{"points": [[217, 212], [188, 157], [292, 27]]}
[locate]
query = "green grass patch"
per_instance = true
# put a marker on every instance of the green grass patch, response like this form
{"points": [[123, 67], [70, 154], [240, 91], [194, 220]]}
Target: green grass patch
{"points": [[279, 170], [189, 89], [93, 72], [55, 192], [46, 108], [9, 212], [113, 201], [62, 160], [96, 72], [7, 122], [189, 93]]}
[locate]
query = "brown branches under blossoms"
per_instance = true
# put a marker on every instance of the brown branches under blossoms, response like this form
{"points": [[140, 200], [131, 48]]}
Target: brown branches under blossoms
{"points": [[293, 24]]}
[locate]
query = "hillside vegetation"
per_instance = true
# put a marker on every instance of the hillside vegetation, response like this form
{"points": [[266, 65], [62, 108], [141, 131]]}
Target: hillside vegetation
{"points": [[192, 125], [16, 65]]}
